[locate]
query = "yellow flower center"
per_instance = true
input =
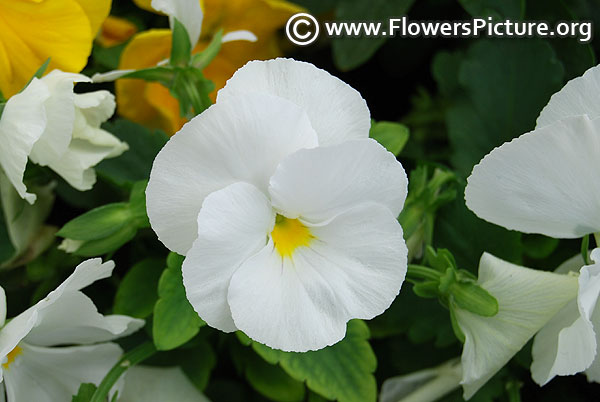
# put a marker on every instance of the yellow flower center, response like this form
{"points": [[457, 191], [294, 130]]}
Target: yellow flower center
{"points": [[11, 356], [289, 234]]}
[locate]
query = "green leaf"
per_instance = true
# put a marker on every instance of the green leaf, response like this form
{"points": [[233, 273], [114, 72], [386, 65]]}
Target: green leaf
{"points": [[499, 9], [343, 371], [137, 204], [164, 75], [137, 292], [506, 84], [575, 55], [202, 60], [94, 248], [175, 321], [97, 223], [136, 163], [85, 393], [271, 380], [108, 57], [40, 71], [393, 136], [459, 230], [181, 47], [348, 52], [538, 246], [197, 362]]}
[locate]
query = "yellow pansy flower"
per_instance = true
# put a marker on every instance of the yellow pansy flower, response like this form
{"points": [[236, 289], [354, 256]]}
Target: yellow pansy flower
{"points": [[34, 30], [115, 30], [151, 103]]}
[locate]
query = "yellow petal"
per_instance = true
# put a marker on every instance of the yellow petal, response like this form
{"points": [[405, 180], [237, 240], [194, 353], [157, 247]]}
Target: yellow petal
{"points": [[144, 4], [96, 11], [34, 31], [115, 30], [145, 50]]}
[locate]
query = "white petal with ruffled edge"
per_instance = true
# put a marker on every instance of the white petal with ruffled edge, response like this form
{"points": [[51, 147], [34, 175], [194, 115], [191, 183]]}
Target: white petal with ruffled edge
{"points": [[60, 110], [43, 374], [22, 123], [579, 96], [567, 345], [19, 327], [233, 225], [187, 12], [243, 139], [317, 184], [74, 319], [158, 384], [337, 111], [541, 181], [86, 273], [96, 107], [527, 300], [353, 268]]}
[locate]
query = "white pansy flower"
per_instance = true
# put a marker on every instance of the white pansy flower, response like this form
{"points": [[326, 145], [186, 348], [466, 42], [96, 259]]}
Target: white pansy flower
{"points": [[52, 126], [527, 300], [568, 344], [35, 363], [158, 384], [545, 182], [286, 212]]}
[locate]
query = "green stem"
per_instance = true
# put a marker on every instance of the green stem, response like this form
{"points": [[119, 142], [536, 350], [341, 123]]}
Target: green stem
{"points": [[585, 244], [422, 272], [131, 358]]}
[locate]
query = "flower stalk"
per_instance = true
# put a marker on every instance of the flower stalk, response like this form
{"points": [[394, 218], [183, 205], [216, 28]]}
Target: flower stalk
{"points": [[129, 359]]}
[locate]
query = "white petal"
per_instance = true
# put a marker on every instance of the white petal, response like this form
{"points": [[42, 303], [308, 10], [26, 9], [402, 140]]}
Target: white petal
{"points": [[319, 183], [60, 111], [74, 319], [43, 374], [336, 110], [243, 139], [232, 226], [22, 123], [19, 327], [14, 331], [365, 249], [304, 302], [540, 182], [76, 165], [427, 385], [573, 264], [86, 273], [96, 107], [188, 12], [579, 96], [2, 306], [285, 304], [567, 345], [158, 384], [527, 299], [110, 76], [239, 35]]}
